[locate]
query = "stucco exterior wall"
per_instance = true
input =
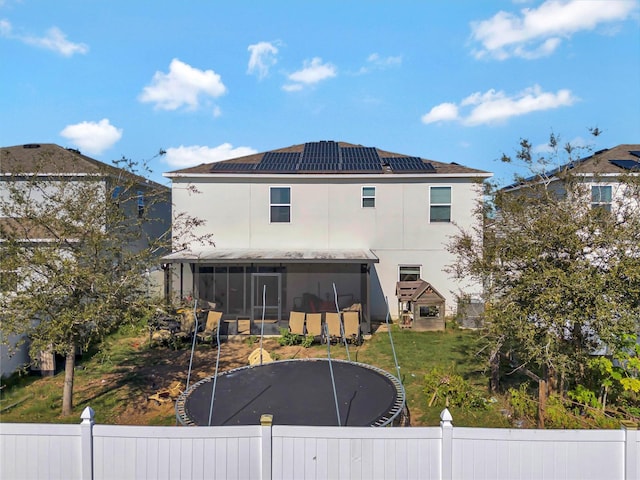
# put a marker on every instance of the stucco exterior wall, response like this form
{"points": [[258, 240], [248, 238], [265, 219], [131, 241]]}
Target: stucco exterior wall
{"points": [[327, 213]]}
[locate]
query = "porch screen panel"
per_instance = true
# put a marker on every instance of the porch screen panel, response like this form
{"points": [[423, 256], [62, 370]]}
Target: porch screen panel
{"points": [[236, 293]]}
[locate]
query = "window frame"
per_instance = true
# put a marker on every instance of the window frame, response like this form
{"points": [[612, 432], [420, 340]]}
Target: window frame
{"points": [[605, 205], [279, 205], [434, 204], [365, 197], [409, 266], [140, 203]]}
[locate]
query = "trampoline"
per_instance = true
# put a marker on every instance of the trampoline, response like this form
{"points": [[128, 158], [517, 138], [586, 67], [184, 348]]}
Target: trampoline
{"points": [[296, 392]]}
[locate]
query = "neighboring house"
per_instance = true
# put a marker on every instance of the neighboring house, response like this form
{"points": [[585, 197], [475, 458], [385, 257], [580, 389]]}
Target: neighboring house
{"points": [[52, 164], [292, 224], [600, 172]]}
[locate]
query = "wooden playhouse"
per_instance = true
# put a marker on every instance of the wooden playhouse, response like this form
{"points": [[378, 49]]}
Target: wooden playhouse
{"points": [[420, 306]]}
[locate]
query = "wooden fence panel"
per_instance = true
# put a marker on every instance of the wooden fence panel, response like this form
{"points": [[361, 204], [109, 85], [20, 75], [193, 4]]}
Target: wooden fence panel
{"points": [[36, 451], [482, 453], [128, 452], [355, 453]]}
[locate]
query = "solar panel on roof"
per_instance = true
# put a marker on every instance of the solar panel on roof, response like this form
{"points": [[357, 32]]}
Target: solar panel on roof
{"points": [[626, 164], [635, 153], [359, 167], [274, 157], [232, 167], [319, 167], [360, 154], [408, 164], [318, 152], [282, 162]]}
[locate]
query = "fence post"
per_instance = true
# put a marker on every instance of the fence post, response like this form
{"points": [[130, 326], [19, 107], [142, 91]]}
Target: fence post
{"points": [[630, 449], [86, 442], [446, 462], [266, 422]]}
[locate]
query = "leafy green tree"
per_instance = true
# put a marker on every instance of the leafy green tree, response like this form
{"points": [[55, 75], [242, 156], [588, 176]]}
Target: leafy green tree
{"points": [[561, 278], [79, 250]]}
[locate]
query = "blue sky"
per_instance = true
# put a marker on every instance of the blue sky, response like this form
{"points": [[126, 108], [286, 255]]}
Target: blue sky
{"points": [[452, 81]]}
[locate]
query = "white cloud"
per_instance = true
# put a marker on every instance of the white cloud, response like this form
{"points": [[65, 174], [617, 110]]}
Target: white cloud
{"points": [[262, 58], [91, 137], [5, 28], [493, 106], [183, 157], [184, 85], [376, 62], [538, 32], [441, 113], [313, 71], [54, 40]]}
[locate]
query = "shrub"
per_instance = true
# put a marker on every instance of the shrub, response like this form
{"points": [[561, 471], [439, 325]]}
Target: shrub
{"points": [[287, 338], [446, 388]]}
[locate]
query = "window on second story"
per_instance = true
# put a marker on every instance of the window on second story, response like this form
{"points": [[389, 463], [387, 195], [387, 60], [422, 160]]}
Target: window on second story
{"points": [[140, 203], [601, 197], [408, 273], [440, 204], [368, 197], [280, 204]]}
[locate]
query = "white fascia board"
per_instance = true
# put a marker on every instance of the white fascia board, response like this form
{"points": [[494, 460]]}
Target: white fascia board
{"points": [[368, 176]]}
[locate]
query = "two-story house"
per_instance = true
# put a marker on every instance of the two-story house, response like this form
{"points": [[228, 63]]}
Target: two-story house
{"points": [[321, 226], [599, 172], [45, 171]]}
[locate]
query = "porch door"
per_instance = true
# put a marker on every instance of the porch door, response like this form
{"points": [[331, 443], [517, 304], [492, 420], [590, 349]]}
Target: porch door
{"points": [[266, 292]]}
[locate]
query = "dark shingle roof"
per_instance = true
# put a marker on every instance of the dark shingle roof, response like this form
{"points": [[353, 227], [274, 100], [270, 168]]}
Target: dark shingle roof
{"points": [[617, 160], [50, 159], [328, 157]]}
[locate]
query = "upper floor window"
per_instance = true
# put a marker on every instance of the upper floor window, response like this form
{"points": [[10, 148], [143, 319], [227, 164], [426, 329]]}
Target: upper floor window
{"points": [[601, 197], [440, 204], [280, 204], [140, 203], [368, 197], [408, 273]]}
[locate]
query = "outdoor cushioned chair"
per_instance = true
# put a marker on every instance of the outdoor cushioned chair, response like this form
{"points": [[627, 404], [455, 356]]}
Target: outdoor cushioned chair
{"points": [[259, 356], [296, 323], [314, 326], [333, 326], [352, 327], [187, 325], [211, 327]]}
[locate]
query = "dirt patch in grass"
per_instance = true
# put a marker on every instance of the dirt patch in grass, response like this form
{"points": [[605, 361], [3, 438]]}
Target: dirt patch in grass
{"points": [[153, 370]]}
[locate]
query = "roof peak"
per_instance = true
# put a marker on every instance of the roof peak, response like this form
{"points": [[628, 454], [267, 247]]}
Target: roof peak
{"points": [[328, 157]]}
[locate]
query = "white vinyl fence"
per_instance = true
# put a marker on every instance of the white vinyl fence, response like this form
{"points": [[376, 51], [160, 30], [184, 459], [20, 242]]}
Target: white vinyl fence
{"points": [[89, 451]]}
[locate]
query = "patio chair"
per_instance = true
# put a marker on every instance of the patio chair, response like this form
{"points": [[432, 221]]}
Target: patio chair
{"points": [[314, 326], [352, 327], [259, 356], [187, 326], [296, 323], [211, 327], [333, 326]]}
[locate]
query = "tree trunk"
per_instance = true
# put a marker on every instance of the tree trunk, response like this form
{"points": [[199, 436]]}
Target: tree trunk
{"points": [[542, 402], [67, 392], [494, 380]]}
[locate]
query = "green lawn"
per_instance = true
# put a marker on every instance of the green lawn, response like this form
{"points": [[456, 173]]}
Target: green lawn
{"points": [[114, 379]]}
